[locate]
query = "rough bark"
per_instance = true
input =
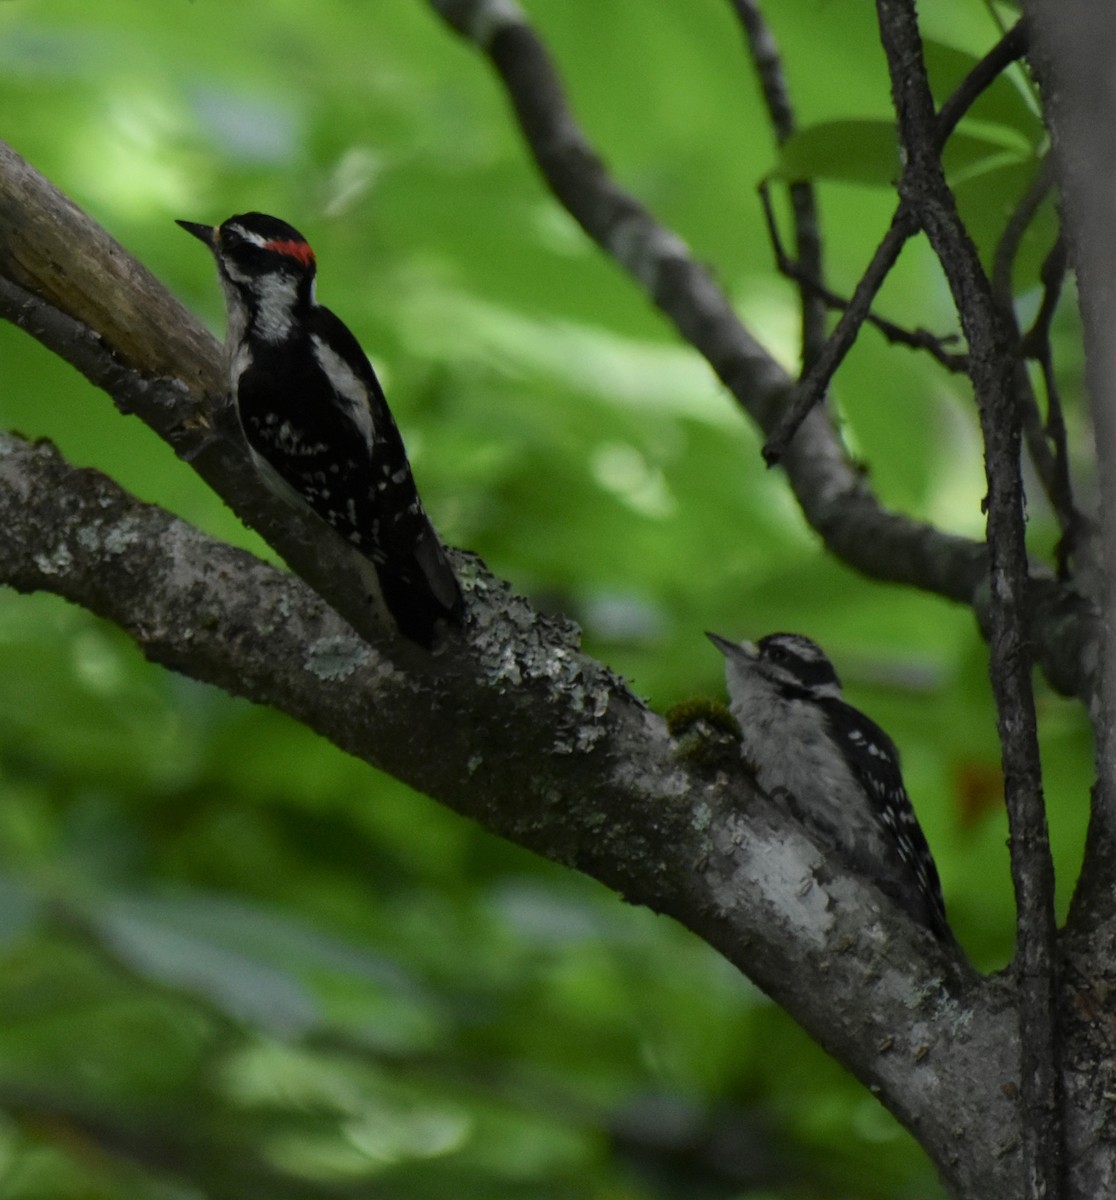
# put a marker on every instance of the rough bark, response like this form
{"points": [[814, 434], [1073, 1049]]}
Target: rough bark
{"points": [[1073, 43], [524, 734], [993, 369]]}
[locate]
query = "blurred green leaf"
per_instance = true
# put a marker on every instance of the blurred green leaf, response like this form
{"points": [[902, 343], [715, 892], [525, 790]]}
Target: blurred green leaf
{"points": [[867, 152], [851, 151], [162, 940]]}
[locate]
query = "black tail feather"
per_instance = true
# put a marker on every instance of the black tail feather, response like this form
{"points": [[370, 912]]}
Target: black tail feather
{"points": [[414, 607]]}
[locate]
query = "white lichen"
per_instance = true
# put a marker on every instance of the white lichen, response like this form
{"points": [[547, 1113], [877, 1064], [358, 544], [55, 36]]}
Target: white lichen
{"points": [[335, 658], [57, 562], [123, 536]]}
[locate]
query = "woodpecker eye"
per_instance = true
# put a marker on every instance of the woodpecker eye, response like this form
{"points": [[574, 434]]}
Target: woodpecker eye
{"points": [[230, 238]]}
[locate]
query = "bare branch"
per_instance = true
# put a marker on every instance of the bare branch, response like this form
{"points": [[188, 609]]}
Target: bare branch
{"points": [[812, 387], [548, 749], [833, 493], [993, 368], [1072, 55], [1036, 344], [1073, 51], [1046, 441], [1011, 47], [768, 65], [1007, 249], [917, 339]]}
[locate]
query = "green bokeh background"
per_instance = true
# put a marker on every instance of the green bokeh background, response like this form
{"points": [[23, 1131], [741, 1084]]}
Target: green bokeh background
{"points": [[236, 963]]}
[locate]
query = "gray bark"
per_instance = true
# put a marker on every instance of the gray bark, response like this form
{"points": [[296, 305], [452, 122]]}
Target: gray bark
{"points": [[521, 732]]}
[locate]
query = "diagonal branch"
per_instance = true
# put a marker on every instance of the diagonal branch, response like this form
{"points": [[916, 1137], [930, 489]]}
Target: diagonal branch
{"points": [[810, 389], [514, 728], [547, 748], [1046, 440]]}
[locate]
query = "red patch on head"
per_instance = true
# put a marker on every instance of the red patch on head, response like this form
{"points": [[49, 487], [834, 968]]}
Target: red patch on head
{"points": [[297, 250]]}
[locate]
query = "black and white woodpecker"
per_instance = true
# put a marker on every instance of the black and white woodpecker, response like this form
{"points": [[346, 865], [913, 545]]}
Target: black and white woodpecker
{"points": [[835, 769], [316, 421]]}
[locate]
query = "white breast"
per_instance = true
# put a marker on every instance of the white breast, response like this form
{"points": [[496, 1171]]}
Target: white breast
{"points": [[787, 743]]}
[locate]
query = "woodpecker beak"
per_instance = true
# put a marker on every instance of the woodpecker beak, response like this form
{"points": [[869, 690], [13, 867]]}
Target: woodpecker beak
{"points": [[733, 649], [204, 233]]}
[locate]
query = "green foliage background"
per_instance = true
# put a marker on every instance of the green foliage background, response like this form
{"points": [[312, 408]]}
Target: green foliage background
{"points": [[236, 963]]}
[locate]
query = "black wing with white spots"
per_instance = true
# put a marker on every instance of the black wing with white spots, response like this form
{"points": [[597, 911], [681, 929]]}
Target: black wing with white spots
{"points": [[874, 759], [312, 408]]}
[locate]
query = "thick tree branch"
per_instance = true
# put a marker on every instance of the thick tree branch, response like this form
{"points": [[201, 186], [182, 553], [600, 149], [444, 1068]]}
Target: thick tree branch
{"points": [[993, 367], [515, 727], [1073, 42], [548, 749], [593, 781]]}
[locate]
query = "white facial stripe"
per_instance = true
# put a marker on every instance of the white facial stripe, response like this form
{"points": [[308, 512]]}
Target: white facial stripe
{"points": [[800, 647], [349, 386], [249, 235], [788, 676]]}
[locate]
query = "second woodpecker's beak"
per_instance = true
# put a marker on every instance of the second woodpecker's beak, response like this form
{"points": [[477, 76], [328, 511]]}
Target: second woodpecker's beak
{"points": [[733, 649], [204, 233]]}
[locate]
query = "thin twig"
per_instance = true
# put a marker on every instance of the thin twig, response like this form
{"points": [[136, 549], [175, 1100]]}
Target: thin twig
{"points": [[916, 339], [814, 383], [768, 64], [1011, 47], [1046, 440], [769, 67], [1037, 345], [993, 369], [1053, 276], [812, 386], [1024, 213]]}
